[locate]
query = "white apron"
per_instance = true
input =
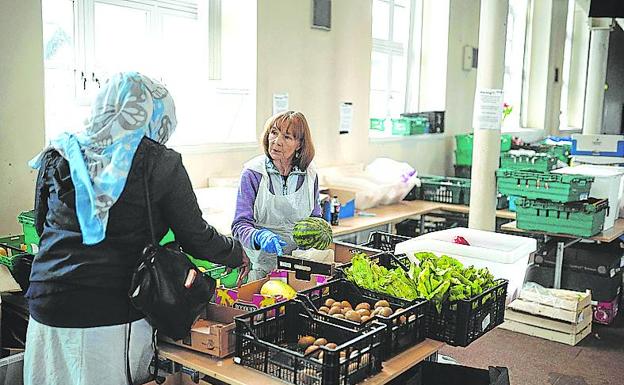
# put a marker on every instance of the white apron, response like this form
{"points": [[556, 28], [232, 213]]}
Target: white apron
{"points": [[278, 213]]}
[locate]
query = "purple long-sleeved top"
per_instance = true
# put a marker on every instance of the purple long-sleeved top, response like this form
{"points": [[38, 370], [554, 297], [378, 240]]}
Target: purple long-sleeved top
{"points": [[244, 225]]}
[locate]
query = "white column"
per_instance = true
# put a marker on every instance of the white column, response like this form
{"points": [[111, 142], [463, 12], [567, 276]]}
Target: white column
{"points": [[486, 149], [596, 75]]}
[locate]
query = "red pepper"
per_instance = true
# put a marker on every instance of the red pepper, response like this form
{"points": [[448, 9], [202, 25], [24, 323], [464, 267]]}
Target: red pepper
{"points": [[461, 240]]}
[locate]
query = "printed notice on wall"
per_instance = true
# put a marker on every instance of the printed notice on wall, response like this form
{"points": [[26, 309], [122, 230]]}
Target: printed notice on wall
{"points": [[488, 109], [280, 103], [346, 117]]}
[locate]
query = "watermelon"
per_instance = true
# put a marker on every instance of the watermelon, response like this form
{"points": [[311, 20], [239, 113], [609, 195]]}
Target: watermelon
{"points": [[313, 233]]}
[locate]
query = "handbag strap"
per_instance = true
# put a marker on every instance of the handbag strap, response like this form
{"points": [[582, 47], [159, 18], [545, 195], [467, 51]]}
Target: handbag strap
{"points": [[148, 201]]}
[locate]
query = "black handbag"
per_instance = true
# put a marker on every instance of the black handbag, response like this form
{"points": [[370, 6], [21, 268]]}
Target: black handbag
{"points": [[167, 287]]}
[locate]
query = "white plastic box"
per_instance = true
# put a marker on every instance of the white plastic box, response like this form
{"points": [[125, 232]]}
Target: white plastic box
{"points": [[607, 185], [506, 256]]}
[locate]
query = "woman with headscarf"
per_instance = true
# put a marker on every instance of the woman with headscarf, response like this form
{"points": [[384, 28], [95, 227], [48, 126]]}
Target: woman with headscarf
{"points": [[91, 214]]}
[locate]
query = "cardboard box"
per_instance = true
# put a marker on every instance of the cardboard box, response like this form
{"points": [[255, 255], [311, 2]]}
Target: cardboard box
{"points": [[213, 333], [248, 297]]}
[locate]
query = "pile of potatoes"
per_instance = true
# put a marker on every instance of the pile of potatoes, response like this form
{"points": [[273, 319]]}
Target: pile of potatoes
{"points": [[312, 344], [361, 313]]}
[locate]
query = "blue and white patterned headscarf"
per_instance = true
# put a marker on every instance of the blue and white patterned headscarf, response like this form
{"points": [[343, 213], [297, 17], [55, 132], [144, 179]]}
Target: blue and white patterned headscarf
{"points": [[127, 108]]}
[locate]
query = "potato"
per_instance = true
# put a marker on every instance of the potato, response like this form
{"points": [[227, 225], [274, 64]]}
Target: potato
{"points": [[322, 312], [311, 348], [341, 316], [363, 312], [402, 319], [345, 310], [354, 316], [335, 310], [329, 302], [385, 311], [347, 304], [365, 318], [382, 303], [324, 308], [336, 304], [331, 345], [363, 305], [320, 342], [306, 341]]}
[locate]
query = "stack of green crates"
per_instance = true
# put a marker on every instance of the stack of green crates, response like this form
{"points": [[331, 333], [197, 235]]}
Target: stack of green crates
{"points": [[553, 202], [583, 219], [527, 160], [464, 144]]}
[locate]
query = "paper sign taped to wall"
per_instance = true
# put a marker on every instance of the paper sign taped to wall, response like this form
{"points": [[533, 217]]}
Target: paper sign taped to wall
{"points": [[280, 103], [488, 109], [346, 117]]}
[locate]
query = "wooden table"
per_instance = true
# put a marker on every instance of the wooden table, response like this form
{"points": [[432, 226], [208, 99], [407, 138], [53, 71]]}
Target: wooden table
{"points": [[385, 215], [225, 370], [608, 235]]}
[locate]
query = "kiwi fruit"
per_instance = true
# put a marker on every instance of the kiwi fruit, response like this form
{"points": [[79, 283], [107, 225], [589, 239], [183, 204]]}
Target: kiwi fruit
{"points": [[324, 309], [382, 303], [335, 310], [320, 342], [363, 312], [311, 348], [329, 302], [354, 316], [363, 305], [347, 304], [306, 341]]}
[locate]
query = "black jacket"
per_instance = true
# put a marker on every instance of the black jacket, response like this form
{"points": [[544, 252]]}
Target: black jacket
{"points": [[74, 285]]}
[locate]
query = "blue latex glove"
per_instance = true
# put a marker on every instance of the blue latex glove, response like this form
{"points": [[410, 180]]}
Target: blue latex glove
{"points": [[268, 242]]}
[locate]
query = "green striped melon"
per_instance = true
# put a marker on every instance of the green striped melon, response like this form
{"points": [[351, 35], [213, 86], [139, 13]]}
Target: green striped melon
{"points": [[313, 233]]}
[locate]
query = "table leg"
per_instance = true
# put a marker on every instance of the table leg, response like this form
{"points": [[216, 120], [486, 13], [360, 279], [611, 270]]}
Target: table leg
{"points": [[559, 264]]}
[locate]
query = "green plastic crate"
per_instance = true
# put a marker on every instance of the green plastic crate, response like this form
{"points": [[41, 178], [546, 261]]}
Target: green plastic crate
{"points": [[444, 189], [464, 144], [581, 219], [377, 124], [417, 125], [27, 220], [218, 272], [463, 158], [12, 248], [527, 161], [400, 127], [560, 188], [561, 152]]}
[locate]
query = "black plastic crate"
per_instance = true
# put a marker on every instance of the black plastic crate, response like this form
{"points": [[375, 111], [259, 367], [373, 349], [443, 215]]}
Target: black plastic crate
{"points": [[443, 189], [463, 171], [266, 340], [461, 322], [602, 259], [405, 328], [384, 241]]}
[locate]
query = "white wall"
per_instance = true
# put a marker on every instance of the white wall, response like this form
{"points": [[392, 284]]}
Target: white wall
{"points": [[21, 106]]}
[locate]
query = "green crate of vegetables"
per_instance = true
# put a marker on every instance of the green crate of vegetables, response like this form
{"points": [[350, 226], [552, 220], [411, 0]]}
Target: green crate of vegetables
{"points": [[582, 219], [466, 302], [537, 185]]}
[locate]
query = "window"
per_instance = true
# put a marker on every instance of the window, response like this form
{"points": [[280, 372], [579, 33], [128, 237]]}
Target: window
{"points": [[392, 60], [513, 80], [174, 41], [574, 73]]}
